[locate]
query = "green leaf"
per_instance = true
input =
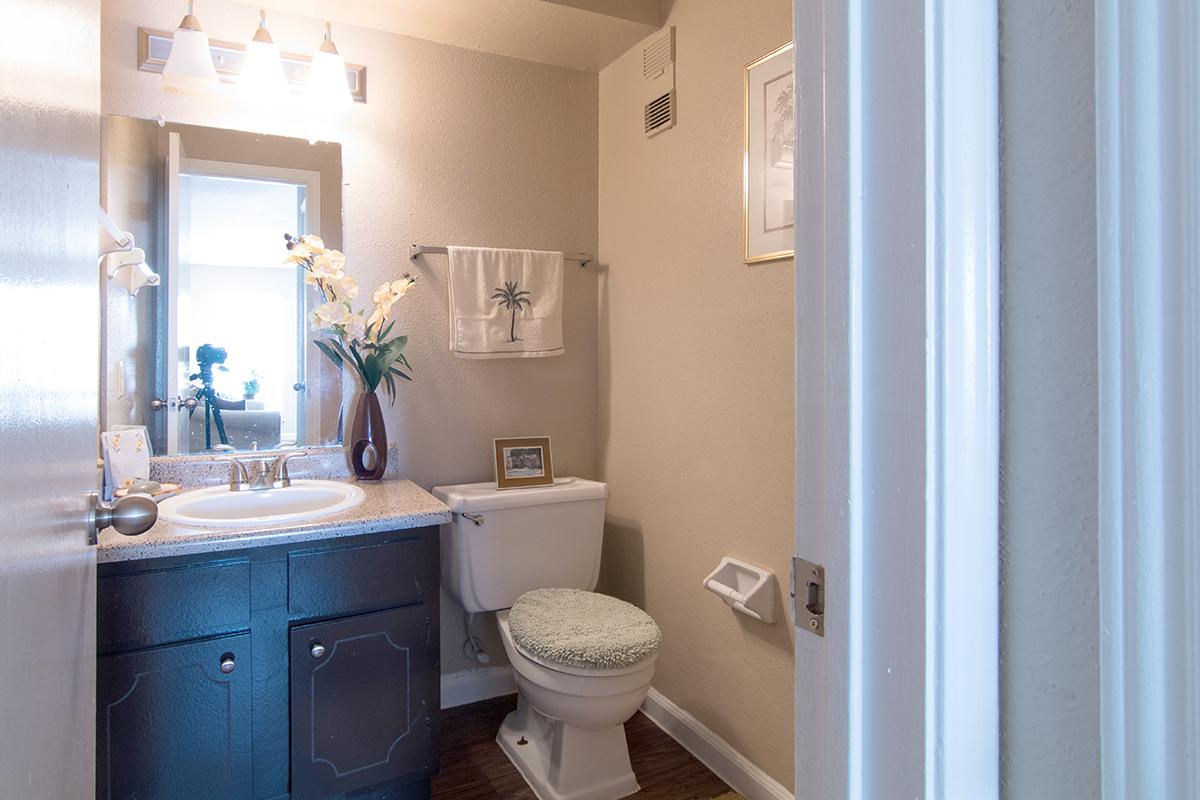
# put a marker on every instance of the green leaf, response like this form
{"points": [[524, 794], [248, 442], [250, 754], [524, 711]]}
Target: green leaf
{"points": [[387, 330], [394, 371], [391, 386], [329, 352], [372, 372]]}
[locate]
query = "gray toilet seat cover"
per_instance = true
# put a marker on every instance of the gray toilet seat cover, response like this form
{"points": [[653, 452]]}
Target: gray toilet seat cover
{"points": [[581, 629]]}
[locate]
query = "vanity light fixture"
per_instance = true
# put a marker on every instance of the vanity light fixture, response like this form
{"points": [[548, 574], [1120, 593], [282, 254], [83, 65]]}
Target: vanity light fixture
{"points": [[189, 67], [262, 81], [327, 85]]}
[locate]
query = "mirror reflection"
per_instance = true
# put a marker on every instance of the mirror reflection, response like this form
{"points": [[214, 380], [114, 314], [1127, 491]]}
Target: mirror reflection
{"points": [[216, 357]]}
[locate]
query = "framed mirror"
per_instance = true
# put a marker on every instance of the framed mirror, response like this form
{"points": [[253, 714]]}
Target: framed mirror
{"points": [[218, 356]]}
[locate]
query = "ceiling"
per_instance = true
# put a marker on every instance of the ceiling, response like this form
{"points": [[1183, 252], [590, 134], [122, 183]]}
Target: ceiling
{"points": [[580, 34]]}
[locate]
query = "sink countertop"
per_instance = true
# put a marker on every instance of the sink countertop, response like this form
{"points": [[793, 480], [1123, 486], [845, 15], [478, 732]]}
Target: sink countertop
{"points": [[390, 504]]}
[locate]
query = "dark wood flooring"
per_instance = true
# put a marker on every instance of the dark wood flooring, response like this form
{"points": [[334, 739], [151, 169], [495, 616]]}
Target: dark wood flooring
{"points": [[475, 768]]}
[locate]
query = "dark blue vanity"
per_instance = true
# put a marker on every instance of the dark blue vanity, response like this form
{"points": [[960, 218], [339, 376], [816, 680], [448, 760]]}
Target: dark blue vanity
{"points": [[295, 670]]}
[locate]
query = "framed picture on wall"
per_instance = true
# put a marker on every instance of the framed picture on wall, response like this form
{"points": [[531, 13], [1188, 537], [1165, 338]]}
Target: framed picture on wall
{"points": [[768, 203], [523, 462]]}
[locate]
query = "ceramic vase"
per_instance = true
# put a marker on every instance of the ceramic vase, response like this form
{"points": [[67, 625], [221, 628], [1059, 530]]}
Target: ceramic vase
{"points": [[367, 446]]}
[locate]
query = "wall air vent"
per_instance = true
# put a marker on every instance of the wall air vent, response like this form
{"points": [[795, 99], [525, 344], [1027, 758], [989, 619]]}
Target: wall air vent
{"points": [[660, 114], [658, 68]]}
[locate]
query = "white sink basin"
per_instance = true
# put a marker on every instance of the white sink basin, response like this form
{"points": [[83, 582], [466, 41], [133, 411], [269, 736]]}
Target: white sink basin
{"points": [[217, 507]]}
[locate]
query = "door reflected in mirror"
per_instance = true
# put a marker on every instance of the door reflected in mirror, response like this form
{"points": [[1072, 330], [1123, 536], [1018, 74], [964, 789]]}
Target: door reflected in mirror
{"points": [[218, 357]]}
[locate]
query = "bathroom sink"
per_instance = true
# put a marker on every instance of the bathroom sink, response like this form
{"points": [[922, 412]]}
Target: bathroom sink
{"points": [[217, 507]]}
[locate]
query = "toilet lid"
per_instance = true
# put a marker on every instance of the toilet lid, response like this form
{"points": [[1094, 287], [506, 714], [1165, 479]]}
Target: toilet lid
{"points": [[574, 628]]}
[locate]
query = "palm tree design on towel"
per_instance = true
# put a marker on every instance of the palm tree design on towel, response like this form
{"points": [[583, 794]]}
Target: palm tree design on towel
{"points": [[512, 300]]}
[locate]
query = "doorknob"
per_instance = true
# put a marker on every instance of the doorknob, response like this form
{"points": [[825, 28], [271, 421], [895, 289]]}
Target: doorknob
{"points": [[298, 387], [158, 404], [133, 514]]}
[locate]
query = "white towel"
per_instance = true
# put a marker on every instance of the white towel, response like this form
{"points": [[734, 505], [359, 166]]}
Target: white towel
{"points": [[505, 303]]}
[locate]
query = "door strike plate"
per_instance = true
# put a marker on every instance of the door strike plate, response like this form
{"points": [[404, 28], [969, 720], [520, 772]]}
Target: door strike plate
{"points": [[808, 596]]}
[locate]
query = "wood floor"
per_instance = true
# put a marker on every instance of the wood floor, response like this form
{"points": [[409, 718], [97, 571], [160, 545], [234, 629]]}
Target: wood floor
{"points": [[474, 767]]}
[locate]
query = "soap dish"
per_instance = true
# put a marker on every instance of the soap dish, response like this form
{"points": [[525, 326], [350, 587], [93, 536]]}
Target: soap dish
{"points": [[165, 491], [746, 588]]}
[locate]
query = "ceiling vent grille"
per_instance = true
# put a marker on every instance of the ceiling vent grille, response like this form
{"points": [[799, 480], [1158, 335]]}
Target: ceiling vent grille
{"points": [[658, 68]]}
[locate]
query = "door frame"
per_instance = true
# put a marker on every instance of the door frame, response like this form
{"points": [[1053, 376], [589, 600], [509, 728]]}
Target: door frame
{"points": [[1148, 210], [897, 404]]}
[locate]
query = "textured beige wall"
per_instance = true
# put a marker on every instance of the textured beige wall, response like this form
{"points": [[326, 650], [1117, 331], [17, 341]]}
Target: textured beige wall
{"points": [[453, 147], [696, 379]]}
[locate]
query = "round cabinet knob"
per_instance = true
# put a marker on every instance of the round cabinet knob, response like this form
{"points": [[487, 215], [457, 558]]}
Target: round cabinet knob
{"points": [[227, 663], [190, 403], [158, 404], [298, 387], [317, 650]]}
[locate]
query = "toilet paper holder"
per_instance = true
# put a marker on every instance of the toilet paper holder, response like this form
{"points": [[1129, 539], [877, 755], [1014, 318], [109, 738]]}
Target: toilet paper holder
{"points": [[744, 587]]}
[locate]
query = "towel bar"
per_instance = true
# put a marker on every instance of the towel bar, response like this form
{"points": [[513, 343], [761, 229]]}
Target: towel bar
{"points": [[415, 250]]}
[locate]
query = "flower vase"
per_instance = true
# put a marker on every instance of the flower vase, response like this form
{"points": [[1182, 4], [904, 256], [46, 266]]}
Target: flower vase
{"points": [[367, 446]]}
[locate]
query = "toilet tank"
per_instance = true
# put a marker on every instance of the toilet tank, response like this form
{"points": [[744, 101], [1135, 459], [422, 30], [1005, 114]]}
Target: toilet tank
{"points": [[501, 544]]}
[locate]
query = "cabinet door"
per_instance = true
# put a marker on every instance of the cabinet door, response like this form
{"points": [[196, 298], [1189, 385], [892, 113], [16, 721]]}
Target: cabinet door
{"points": [[361, 711], [173, 723]]}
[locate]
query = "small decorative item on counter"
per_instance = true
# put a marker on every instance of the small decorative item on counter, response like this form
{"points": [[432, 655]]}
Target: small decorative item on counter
{"points": [[524, 462], [364, 341], [126, 454]]}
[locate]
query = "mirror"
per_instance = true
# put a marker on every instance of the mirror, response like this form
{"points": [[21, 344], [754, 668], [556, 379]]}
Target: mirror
{"points": [[218, 356]]}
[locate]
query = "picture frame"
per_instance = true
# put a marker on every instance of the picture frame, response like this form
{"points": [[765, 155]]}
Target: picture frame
{"points": [[768, 158], [523, 462]]}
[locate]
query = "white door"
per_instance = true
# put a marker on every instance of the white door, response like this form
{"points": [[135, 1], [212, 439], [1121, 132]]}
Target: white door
{"points": [[49, 371], [177, 359], [897, 410]]}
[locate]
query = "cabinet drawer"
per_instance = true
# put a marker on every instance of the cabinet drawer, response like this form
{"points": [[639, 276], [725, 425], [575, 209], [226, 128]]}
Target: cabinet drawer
{"points": [[172, 605], [339, 582]]}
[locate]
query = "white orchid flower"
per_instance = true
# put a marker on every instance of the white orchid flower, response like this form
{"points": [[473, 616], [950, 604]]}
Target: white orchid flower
{"points": [[298, 253], [347, 287], [354, 326], [312, 242], [377, 317], [400, 287], [324, 268], [329, 314]]}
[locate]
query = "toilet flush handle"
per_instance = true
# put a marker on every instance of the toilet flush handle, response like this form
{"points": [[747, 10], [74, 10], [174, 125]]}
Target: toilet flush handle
{"points": [[476, 518]]}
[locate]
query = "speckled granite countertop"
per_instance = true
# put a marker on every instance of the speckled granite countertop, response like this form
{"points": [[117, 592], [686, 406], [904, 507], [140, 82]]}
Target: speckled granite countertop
{"points": [[390, 504]]}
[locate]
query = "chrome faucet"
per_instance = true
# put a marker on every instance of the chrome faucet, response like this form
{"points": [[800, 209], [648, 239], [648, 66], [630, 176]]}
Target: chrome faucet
{"points": [[256, 474]]}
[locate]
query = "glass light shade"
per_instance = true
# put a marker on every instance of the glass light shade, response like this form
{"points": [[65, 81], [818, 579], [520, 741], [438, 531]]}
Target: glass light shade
{"points": [[262, 81], [328, 88], [189, 67]]}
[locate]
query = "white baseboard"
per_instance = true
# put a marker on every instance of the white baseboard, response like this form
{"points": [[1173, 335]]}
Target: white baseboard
{"points": [[712, 751], [473, 685]]}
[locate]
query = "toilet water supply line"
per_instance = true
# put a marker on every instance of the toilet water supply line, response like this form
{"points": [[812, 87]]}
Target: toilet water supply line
{"points": [[472, 647]]}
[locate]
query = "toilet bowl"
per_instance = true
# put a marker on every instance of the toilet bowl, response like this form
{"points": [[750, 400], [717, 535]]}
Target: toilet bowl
{"points": [[567, 736], [582, 661]]}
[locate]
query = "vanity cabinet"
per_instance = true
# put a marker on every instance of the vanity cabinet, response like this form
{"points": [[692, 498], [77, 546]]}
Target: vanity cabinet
{"points": [[285, 672]]}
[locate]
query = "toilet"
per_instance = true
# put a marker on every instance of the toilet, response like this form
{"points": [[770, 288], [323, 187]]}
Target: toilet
{"points": [[582, 661]]}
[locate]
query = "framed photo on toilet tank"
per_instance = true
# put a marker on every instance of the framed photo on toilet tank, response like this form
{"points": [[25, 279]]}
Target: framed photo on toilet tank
{"points": [[768, 200], [523, 462]]}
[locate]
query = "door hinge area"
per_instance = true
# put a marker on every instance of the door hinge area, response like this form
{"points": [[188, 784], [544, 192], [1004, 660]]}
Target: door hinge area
{"points": [[808, 596]]}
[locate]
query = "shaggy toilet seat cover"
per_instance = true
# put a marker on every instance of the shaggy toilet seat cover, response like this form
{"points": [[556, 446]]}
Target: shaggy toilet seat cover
{"points": [[581, 629]]}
